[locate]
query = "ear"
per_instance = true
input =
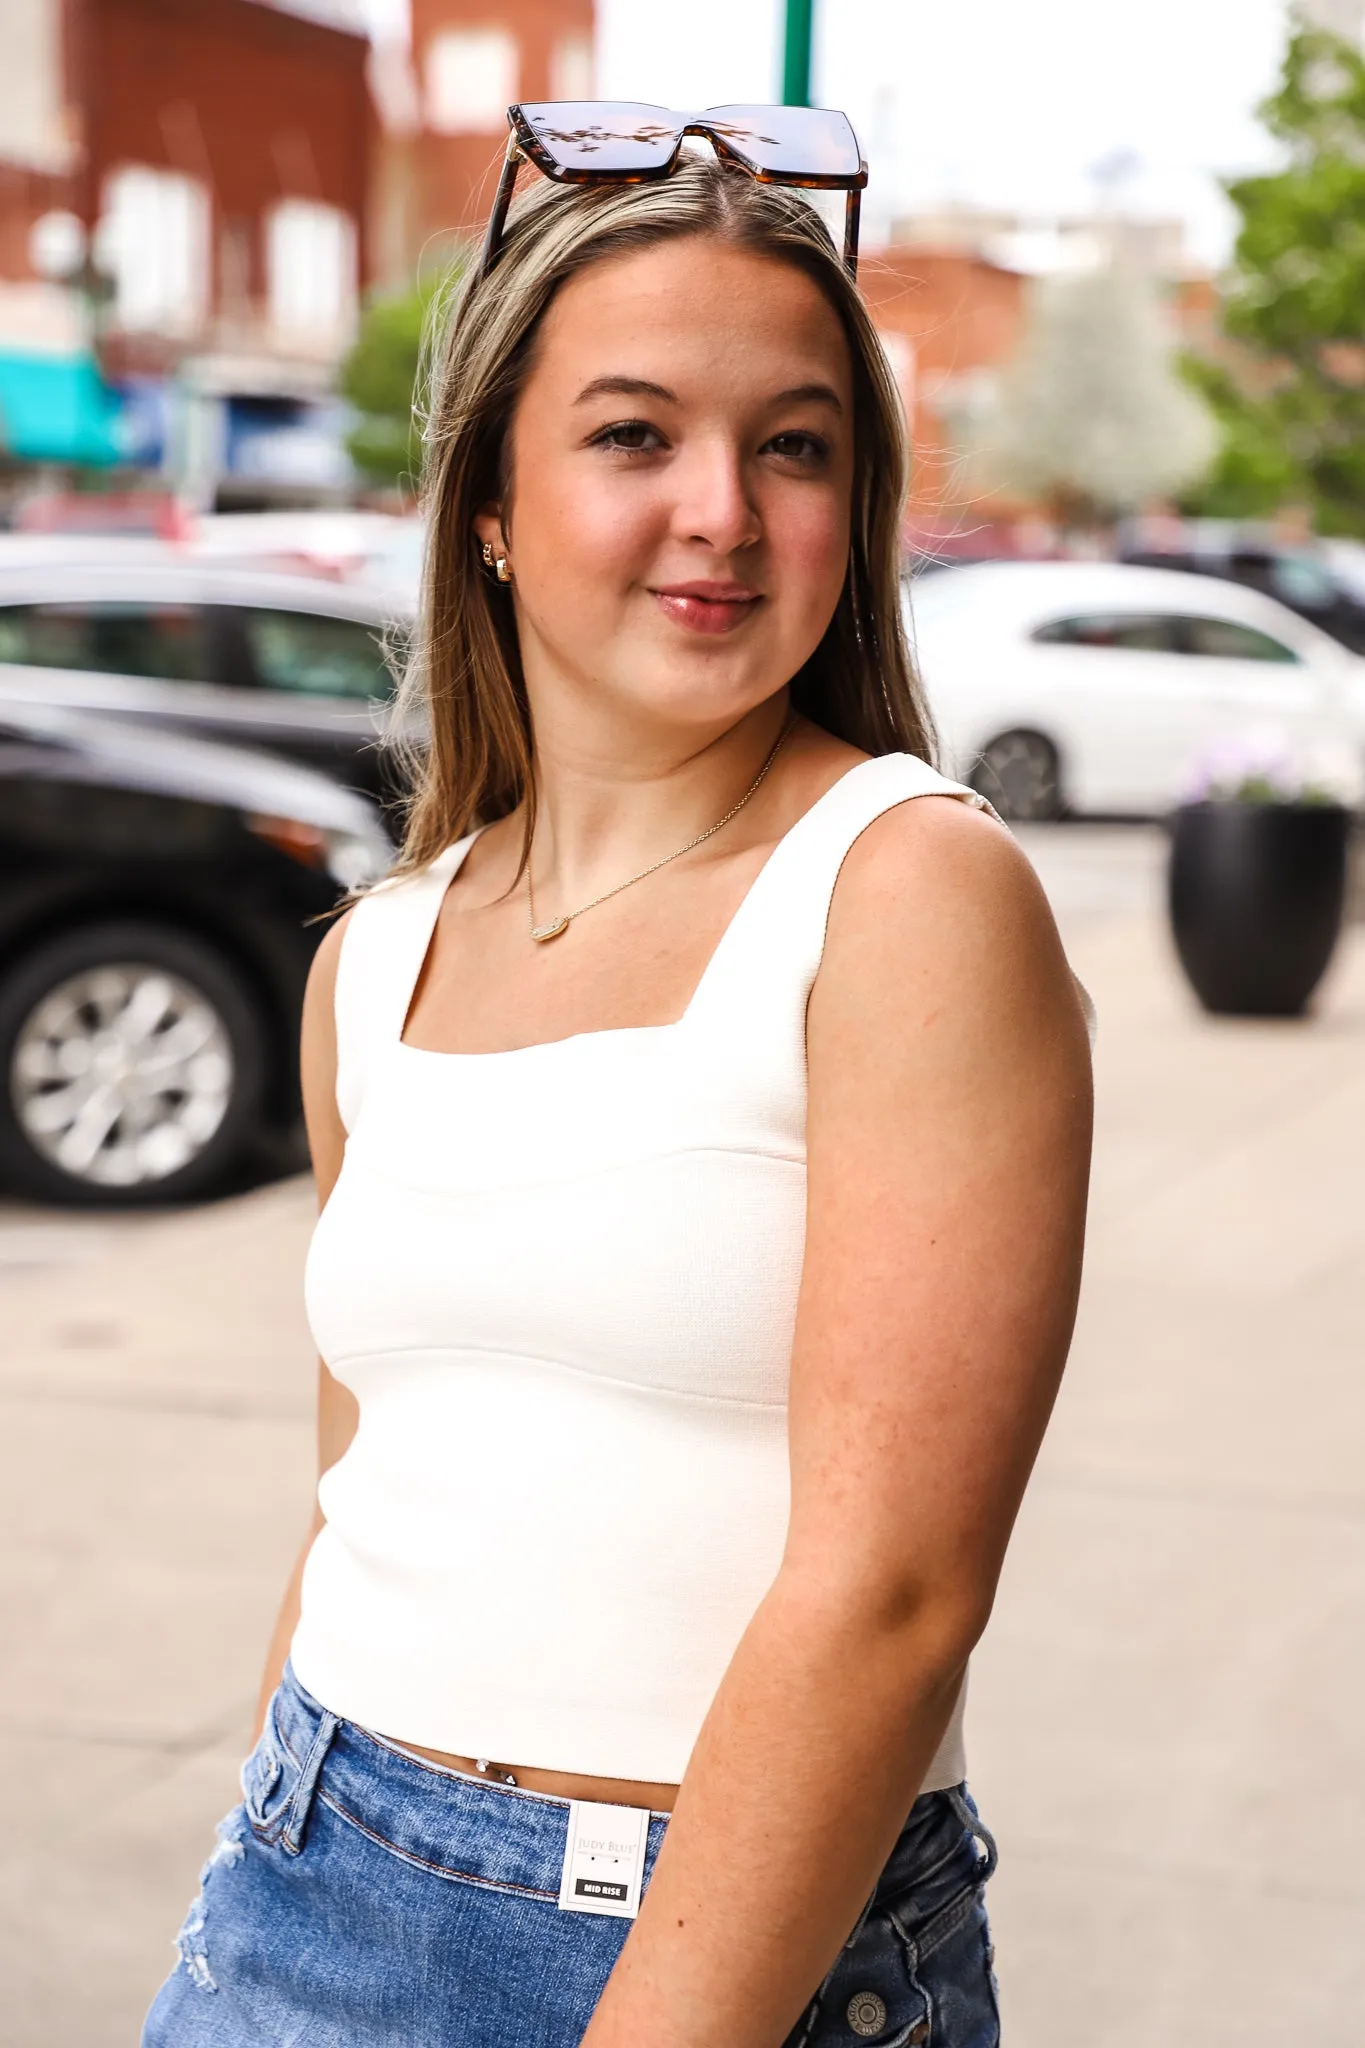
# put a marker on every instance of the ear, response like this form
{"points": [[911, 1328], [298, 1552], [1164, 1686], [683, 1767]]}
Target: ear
{"points": [[488, 527]]}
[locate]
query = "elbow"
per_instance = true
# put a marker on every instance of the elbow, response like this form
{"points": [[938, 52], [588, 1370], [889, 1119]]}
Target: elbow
{"points": [[938, 1626], [925, 1624], [952, 1629]]}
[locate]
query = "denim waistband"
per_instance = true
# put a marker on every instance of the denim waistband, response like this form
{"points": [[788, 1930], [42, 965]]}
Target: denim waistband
{"points": [[447, 1824]]}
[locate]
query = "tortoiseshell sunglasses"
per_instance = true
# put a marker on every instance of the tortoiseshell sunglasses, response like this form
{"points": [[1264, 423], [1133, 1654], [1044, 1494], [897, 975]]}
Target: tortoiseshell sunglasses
{"points": [[615, 142]]}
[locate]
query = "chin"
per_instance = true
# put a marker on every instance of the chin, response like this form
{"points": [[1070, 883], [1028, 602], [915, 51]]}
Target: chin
{"points": [[708, 686], [706, 701]]}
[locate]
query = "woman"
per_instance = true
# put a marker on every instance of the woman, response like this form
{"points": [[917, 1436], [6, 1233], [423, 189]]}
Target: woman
{"points": [[701, 1121]]}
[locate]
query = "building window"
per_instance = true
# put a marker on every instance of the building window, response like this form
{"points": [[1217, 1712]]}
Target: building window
{"points": [[154, 241], [471, 79], [571, 67], [311, 270]]}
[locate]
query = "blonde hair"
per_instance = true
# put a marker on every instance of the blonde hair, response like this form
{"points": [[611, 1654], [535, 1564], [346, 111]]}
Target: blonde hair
{"points": [[463, 673]]}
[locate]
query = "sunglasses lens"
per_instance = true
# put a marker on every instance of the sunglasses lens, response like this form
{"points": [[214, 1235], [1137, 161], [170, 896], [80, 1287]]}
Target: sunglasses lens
{"points": [[796, 142], [603, 135]]}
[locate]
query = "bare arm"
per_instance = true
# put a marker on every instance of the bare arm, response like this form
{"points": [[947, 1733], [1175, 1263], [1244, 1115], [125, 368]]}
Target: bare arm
{"points": [[337, 1415], [949, 1136]]}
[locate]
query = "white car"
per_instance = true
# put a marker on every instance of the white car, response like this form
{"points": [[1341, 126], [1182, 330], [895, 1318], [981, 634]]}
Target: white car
{"points": [[291, 664], [1096, 687]]}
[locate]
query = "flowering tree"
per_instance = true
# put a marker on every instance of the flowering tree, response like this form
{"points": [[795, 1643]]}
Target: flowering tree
{"points": [[1092, 417]]}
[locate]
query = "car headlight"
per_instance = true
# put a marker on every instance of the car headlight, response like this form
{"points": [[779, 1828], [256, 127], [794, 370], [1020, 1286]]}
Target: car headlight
{"points": [[354, 858]]}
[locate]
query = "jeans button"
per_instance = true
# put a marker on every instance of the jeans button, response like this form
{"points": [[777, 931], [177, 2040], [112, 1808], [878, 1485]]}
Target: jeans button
{"points": [[866, 2014]]}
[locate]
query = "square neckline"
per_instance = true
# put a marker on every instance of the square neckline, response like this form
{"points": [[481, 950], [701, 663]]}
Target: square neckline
{"points": [[461, 849]]}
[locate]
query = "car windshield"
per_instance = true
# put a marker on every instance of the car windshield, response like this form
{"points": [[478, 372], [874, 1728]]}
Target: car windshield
{"points": [[1298, 580]]}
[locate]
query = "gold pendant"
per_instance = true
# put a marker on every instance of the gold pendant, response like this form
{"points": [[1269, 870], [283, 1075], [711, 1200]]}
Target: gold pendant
{"points": [[541, 933]]}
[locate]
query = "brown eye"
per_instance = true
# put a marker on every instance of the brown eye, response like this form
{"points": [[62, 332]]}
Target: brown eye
{"points": [[806, 449], [629, 437]]}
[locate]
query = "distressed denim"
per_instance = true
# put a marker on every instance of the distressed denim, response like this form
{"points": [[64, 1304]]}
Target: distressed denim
{"points": [[359, 1898]]}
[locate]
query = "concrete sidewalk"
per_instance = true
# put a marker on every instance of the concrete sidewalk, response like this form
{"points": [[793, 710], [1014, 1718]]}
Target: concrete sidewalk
{"points": [[1165, 1716]]}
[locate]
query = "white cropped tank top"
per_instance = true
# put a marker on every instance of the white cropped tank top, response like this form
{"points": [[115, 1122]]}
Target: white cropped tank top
{"points": [[561, 1283]]}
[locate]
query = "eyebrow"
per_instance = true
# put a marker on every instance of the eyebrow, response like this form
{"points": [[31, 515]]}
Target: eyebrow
{"points": [[817, 394], [641, 387], [625, 387]]}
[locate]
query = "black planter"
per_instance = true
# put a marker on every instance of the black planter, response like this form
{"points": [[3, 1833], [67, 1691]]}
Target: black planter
{"points": [[1256, 895]]}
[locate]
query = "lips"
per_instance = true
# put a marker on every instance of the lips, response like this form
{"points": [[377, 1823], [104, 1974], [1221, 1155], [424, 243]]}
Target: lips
{"points": [[708, 607]]}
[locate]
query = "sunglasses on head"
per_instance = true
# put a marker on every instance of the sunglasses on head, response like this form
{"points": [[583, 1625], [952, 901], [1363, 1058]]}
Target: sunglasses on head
{"points": [[615, 142]]}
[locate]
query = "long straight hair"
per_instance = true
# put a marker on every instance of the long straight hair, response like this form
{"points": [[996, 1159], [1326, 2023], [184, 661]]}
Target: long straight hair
{"points": [[463, 677]]}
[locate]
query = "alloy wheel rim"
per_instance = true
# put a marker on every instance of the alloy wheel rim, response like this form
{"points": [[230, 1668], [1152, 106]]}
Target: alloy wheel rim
{"points": [[1024, 773], [121, 1075]]}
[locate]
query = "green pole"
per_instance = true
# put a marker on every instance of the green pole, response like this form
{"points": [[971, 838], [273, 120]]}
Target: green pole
{"points": [[796, 53]]}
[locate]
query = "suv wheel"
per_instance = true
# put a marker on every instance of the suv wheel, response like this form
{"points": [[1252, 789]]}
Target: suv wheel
{"points": [[1020, 774], [133, 1067]]}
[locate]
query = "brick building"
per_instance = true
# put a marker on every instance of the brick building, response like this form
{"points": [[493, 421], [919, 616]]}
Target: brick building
{"points": [[951, 320], [444, 97], [201, 172]]}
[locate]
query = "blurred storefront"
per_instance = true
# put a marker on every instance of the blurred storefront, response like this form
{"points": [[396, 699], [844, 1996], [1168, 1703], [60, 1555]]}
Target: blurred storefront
{"points": [[183, 200]]}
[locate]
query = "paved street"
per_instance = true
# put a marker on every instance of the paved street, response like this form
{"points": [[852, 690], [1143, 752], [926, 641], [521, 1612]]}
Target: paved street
{"points": [[1165, 1715]]}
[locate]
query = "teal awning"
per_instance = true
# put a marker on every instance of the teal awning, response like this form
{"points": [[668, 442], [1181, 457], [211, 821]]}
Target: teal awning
{"points": [[56, 409]]}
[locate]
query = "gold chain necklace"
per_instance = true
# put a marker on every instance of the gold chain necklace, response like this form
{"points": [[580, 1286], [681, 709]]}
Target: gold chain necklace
{"points": [[541, 933]]}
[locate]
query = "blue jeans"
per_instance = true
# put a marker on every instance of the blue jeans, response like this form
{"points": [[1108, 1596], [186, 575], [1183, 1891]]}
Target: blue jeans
{"points": [[359, 1898]]}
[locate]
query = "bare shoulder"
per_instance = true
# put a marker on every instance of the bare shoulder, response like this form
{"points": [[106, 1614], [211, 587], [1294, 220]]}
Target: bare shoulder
{"points": [[939, 914]]}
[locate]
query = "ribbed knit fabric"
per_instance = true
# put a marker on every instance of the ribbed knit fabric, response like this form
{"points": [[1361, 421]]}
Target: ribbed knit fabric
{"points": [[561, 1283]]}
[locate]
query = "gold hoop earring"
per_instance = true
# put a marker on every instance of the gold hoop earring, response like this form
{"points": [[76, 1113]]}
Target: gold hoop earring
{"points": [[488, 554], [501, 569]]}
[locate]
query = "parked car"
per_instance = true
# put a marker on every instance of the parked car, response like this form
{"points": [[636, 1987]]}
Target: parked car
{"points": [[156, 894], [1309, 582], [1096, 687], [378, 549], [292, 664]]}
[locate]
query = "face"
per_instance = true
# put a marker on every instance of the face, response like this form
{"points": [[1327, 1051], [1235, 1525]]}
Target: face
{"points": [[682, 472]]}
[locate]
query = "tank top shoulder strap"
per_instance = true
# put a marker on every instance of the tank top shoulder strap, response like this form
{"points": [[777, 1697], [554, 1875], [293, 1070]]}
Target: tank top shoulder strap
{"points": [[774, 944], [381, 957]]}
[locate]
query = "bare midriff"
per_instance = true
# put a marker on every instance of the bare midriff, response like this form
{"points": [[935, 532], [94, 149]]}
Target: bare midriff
{"points": [[558, 1784]]}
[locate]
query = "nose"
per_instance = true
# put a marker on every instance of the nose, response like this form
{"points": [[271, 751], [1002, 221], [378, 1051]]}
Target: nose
{"points": [[715, 504]]}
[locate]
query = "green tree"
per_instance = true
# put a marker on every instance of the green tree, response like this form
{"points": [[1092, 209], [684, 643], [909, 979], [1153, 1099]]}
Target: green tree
{"points": [[381, 378], [1292, 407]]}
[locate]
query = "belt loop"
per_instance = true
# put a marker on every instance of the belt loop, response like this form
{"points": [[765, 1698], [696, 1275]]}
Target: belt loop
{"points": [[964, 1806], [296, 1820]]}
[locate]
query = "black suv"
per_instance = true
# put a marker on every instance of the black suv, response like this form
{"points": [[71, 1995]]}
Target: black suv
{"points": [[1306, 583], [156, 894]]}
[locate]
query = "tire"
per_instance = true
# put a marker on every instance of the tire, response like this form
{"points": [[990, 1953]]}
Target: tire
{"points": [[132, 1067], [1019, 773]]}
